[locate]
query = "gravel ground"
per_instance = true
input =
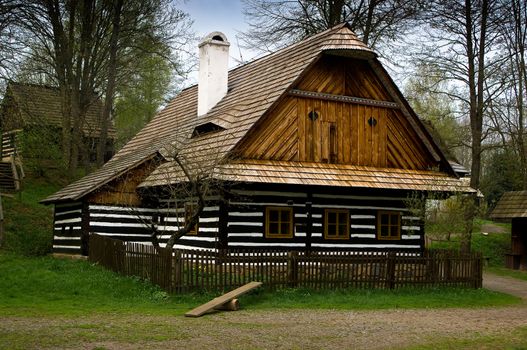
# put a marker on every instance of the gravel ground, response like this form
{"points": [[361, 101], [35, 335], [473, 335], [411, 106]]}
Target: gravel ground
{"points": [[276, 329]]}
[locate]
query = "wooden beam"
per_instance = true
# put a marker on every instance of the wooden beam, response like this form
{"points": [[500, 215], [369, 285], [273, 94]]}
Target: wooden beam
{"points": [[222, 300], [343, 98]]}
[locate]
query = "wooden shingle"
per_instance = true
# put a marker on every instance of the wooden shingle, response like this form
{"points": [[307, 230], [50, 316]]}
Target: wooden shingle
{"points": [[39, 105], [511, 205]]}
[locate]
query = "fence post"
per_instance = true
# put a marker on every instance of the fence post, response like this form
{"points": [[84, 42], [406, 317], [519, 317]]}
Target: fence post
{"points": [[292, 267], [176, 264], [448, 265], [478, 270], [390, 270]]}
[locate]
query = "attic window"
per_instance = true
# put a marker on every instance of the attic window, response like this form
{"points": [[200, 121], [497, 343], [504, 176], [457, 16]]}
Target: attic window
{"points": [[206, 129], [313, 115], [217, 37]]}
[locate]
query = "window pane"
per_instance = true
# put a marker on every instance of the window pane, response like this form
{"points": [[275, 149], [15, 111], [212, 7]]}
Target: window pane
{"points": [[285, 228], [394, 219], [332, 228], [273, 215], [385, 231], [343, 230], [332, 217], [343, 217], [285, 215], [385, 219], [273, 228]]}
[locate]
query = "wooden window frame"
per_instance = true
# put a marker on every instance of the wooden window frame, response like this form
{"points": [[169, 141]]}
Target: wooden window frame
{"points": [[279, 222], [189, 208], [327, 235], [390, 237]]}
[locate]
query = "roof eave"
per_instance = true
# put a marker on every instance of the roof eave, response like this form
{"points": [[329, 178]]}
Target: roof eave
{"points": [[51, 200]]}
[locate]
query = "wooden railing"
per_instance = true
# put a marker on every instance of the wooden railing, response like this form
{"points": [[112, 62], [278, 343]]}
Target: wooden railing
{"points": [[194, 270]]}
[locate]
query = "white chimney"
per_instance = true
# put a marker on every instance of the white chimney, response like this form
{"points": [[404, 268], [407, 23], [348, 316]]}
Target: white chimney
{"points": [[213, 71]]}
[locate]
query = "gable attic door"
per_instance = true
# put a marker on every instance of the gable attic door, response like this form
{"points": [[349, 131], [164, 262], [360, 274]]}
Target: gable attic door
{"points": [[339, 112]]}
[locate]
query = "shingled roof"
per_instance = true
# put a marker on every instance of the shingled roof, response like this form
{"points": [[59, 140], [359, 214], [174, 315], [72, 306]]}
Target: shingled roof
{"points": [[511, 205], [254, 89], [41, 105]]}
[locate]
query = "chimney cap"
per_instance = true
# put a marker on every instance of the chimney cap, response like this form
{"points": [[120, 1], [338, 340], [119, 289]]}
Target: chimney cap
{"points": [[216, 38]]}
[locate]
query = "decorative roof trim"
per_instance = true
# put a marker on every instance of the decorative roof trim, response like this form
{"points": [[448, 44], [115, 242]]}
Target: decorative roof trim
{"points": [[344, 98]]}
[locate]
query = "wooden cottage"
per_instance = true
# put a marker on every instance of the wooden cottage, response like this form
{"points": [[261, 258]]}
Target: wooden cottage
{"points": [[513, 206], [37, 110], [313, 147]]}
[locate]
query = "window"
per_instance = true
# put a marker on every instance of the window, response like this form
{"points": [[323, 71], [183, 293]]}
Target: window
{"points": [[278, 222], [336, 224], [189, 211], [388, 225]]}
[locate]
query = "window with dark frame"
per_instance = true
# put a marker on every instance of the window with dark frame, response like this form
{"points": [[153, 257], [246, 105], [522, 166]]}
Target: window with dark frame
{"points": [[388, 225], [336, 224], [279, 222], [189, 211]]}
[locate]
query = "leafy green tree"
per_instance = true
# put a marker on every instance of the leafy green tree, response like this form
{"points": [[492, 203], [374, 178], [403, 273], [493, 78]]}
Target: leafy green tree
{"points": [[501, 174], [139, 98], [427, 93]]}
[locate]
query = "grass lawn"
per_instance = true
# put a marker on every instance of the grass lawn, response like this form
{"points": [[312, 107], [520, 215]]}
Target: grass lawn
{"points": [[49, 286], [28, 224]]}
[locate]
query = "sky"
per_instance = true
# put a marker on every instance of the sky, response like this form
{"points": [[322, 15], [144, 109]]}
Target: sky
{"points": [[219, 15]]}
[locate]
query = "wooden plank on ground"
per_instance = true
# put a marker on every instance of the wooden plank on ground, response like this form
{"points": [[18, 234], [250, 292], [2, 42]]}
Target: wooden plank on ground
{"points": [[203, 309]]}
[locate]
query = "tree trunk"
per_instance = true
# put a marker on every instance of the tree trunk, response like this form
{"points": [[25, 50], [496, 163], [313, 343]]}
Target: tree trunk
{"points": [[335, 12], [369, 20], [110, 86]]}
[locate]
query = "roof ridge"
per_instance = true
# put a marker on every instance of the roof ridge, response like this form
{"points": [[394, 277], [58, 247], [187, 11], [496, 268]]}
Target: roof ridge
{"points": [[18, 83], [294, 45]]}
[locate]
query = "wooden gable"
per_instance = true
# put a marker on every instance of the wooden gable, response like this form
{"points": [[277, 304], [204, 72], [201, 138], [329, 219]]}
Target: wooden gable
{"points": [[339, 112]]}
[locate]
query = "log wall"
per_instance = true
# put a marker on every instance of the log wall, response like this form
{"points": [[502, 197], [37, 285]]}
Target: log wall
{"points": [[67, 228]]}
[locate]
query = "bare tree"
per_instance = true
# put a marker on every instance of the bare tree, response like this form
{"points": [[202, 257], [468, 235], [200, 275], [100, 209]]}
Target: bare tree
{"points": [[277, 23], [460, 42], [508, 110], [181, 183]]}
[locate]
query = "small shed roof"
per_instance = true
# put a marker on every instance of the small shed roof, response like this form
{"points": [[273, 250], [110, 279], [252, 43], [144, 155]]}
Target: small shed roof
{"points": [[511, 205], [41, 105]]}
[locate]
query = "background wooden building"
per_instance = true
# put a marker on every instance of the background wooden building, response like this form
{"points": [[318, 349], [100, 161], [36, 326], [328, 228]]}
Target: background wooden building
{"points": [[35, 111], [312, 147], [513, 206]]}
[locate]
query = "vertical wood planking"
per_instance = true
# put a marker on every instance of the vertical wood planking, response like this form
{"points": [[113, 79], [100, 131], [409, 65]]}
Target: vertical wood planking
{"points": [[301, 119]]}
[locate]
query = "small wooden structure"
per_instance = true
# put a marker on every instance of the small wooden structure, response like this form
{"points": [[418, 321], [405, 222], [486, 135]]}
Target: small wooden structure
{"points": [[513, 206], [225, 299], [37, 109]]}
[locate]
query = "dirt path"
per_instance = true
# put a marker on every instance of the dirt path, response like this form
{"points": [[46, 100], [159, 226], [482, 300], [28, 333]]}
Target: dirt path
{"points": [[277, 329], [507, 285]]}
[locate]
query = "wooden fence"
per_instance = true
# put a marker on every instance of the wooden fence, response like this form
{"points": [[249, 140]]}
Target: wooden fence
{"points": [[194, 270]]}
